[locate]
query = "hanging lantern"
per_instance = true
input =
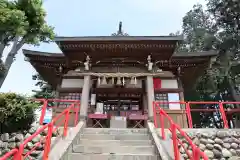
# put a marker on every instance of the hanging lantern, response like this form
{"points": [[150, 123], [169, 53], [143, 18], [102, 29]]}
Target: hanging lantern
{"points": [[123, 81], [119, 81], [132, 81], [104, 81], [112, 80], [135, 80], [99, 81]]}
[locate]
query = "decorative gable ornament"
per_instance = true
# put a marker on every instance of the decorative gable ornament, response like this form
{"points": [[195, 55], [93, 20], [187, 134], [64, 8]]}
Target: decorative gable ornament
{"points": [[120, 31]]}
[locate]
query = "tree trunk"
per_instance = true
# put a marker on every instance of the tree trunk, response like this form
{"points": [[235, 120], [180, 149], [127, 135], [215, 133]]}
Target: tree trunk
{"points": [[8, 63], [233, 91], [10, 58], [2, 47]]}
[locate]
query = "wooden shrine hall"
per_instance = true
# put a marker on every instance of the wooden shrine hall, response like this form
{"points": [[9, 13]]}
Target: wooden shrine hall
{"points": [[118, 77]]}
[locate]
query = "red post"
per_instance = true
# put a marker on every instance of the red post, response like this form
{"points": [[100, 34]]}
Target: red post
{"points": [[15, 157], [66, 123], [224, 118], [175, 142], [189, 116], [20, 152], [196, 154], [44, 107], [162, 124], [13, 153], [154, 114], [48, 141]]}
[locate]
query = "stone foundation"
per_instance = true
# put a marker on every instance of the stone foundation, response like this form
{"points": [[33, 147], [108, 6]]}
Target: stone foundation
{"points": [[9, 141], [216, 144]]}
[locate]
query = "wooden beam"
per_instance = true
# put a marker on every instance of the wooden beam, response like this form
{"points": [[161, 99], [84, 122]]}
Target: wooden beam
{"points": [[168, 90]]}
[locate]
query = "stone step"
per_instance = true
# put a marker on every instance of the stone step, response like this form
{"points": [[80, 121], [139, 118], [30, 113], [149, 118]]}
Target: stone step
{"points": [[114, 131], [115, 136], [116, 142], [116, 149], [79, 156]]}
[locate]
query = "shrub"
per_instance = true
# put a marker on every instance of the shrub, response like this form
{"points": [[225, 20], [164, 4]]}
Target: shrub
{"points": [[16, 112]]}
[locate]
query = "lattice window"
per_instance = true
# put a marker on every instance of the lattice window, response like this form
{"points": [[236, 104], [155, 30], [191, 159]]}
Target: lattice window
{"points": [[68, 96], [162, 97]]}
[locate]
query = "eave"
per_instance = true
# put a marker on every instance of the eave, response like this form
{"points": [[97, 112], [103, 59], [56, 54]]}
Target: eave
{"points": [[192, 64], [202, 54]]}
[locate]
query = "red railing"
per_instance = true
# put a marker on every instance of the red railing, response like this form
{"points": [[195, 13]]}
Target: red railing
{"points": [[174, 128], [12, 153], [47, 101], [52, 127], [221, 109]]}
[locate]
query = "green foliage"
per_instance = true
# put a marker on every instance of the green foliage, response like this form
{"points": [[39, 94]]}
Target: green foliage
{"points": [[13, 21], [216, 28], [226, 13], [46, 90], [16, 112], [22, 22], [198, 30], [26, 19]]}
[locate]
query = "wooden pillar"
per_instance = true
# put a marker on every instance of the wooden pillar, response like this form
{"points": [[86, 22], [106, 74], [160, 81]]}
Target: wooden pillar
{"points": [[181, 94], [85, 98], [59, 84], [150, 96], [57, 91]]}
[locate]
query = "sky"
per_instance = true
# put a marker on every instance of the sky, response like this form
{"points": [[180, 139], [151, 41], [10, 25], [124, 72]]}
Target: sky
{"points": [[98, 18]]}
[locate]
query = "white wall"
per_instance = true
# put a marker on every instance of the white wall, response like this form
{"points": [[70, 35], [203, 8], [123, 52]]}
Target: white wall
{"points": [[169, 83], [172, 97], [72, 83]]}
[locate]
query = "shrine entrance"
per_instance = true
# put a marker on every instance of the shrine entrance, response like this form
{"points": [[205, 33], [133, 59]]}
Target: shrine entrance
{"points": [[118, 105]]}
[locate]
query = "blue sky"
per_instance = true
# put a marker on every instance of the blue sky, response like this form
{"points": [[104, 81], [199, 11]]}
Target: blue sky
{"points": [[99, 18]]}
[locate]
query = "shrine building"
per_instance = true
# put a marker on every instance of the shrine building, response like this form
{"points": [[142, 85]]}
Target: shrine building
{"points": [[118, 77]]}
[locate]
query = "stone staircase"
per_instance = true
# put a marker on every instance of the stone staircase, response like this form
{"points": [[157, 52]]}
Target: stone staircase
{"points": [[113, 144]]}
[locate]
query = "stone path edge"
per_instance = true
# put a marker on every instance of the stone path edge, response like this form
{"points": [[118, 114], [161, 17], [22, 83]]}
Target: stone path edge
{"points": [[161, 153], [64, 145]]}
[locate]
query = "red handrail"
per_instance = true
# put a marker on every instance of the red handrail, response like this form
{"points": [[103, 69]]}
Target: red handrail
{"points": [[221, 110], [188, 110], [18, 154], [45, 106], [196, 152], [15, 153], [11, 153]]}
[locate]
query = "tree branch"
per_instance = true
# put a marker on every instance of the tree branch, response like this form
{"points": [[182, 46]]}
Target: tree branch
{"points": [[15, 42], [15, 48], [20, 44]]}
